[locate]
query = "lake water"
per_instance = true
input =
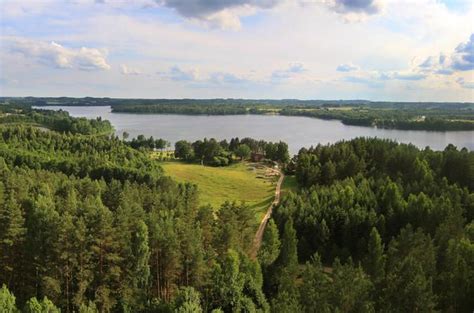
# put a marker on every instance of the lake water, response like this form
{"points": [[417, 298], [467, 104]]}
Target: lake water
{"points": [[298, 132]]}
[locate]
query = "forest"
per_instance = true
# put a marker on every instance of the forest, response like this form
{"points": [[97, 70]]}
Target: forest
{"points": [[90, 223], [55, 120]]}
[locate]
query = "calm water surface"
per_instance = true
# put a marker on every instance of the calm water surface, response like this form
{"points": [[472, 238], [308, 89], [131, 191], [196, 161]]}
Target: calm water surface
{"points": [[298, 132]]}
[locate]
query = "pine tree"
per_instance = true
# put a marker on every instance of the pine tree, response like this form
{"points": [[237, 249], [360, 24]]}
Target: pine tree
{"points": [[141, 268], [12, 237], [288, 257], [285, 268], [375, 262], [408, 288], [270, 245]]}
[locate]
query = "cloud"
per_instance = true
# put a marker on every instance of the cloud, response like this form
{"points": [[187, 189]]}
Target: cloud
{"points": [[55, 55], [126, 70], [293, 70], [376, 79], [463, 58], [175, 73], [368, 81], [407, 76], [355, 10], [226, 78], [465, 84], [223, 14], [348, 67], [368, 7], [200, 8]]}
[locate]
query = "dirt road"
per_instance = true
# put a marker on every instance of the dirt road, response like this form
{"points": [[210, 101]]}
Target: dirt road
{"points": [[257, 242]]}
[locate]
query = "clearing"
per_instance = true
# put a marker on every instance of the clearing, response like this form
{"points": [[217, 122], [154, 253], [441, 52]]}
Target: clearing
{"points": [[248, 182]]}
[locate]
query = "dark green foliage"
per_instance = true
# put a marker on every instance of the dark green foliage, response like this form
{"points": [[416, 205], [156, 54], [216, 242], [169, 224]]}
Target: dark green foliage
{"points": [[214, 153], [391, 208], [147, 143], [55, 120], [184, 150], [96, 157], [91, 225]]}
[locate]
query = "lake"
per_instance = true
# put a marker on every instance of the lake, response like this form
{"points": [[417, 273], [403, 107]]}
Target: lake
{"points": [[298, 132]]}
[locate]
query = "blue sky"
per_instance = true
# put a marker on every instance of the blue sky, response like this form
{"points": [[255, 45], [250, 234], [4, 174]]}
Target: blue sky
{"points": [[399, 50]]}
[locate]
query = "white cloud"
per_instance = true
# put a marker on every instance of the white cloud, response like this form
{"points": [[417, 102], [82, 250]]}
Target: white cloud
{"points": [[126, 70], [55, 55]]}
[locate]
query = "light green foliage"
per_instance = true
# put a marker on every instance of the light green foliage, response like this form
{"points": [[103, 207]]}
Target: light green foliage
{"points": [[243, 151], [43, 306], [7, 301], [187, 301], [90, 307], [270, 248]]}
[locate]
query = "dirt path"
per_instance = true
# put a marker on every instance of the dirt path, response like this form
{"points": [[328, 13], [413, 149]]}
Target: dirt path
{"points": [[257, 242]]}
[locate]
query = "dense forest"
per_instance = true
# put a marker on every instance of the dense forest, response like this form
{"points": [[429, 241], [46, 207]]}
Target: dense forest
{"points": [[376, 227], [92, 224]]}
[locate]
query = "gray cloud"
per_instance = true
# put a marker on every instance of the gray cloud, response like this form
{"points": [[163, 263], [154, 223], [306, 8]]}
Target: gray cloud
{"points": [[463, 59], [58, 56], [358, 6], [202, 8]]}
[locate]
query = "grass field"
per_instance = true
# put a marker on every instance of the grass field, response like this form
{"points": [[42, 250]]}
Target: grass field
{"points": [[237, 182]]}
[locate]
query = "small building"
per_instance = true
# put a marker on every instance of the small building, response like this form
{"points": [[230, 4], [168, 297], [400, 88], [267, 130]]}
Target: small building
{"points": [[257, 157]]}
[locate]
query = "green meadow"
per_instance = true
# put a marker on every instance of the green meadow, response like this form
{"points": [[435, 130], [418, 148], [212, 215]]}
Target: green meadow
{"points": [[237, 182]]}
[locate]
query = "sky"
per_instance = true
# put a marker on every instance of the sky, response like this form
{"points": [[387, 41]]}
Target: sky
{"points": [[393, 50]]}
